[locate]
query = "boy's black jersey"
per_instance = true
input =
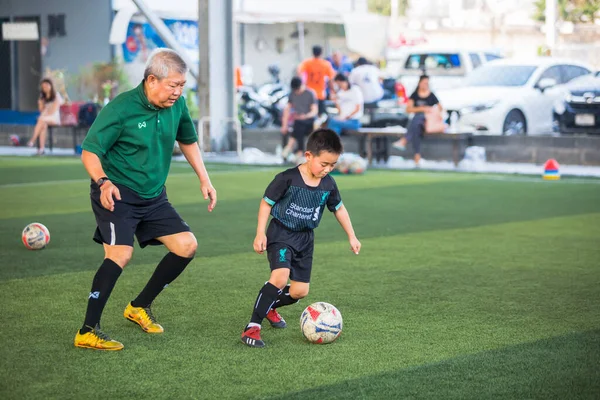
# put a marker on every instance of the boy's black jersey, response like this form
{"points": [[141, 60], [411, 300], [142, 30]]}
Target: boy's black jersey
{"points": [[296, 205]]}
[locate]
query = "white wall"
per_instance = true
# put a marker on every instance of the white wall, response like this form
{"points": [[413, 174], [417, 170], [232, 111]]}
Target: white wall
{"points": [[260, 48], [87, 24]]}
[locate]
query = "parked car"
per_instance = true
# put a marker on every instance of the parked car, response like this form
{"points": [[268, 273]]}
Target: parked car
{"points": [[579, 110], [510, 96], [447, 68]]}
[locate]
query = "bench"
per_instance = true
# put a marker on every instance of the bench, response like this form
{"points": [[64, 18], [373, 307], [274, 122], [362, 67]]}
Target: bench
{"points": [[396, 132], [75, 132]]}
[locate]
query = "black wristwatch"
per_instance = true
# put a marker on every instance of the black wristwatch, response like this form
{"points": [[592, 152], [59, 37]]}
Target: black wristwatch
{"points": [[102, 181]]}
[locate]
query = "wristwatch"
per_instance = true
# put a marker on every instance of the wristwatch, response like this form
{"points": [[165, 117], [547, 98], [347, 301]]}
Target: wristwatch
{"points": [[101, 181]]}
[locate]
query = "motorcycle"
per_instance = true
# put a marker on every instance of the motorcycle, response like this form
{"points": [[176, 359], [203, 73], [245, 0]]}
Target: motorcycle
{"points": [[264, 106], [251, 109]]}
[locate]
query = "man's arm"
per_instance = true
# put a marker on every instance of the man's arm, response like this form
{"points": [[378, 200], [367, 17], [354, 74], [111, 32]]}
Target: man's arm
{"points": [[344, 219], [102, 135], [93, 166], [194, 158], [285, 118], [314, 110]]}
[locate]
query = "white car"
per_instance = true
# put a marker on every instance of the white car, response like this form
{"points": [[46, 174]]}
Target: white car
{"points": [[446, 68], [509, 96]]}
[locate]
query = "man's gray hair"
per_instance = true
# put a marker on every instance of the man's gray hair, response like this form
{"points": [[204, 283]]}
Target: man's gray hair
{"points": [[162, 61]]}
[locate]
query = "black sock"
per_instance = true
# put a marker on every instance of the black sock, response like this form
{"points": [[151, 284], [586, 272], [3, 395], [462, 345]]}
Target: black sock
{"points": [[168, 269], [284, 298], [102, 285], [266, 297]]}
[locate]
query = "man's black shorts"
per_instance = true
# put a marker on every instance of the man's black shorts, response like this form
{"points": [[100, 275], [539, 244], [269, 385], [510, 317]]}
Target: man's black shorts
{"points": [[290, 249], [301, 130], [147, 219], [321, 107]]}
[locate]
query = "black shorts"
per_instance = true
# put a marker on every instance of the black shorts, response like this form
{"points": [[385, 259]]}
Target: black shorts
{"points": [[321, 107], [290, 249], [301, 130], [147, 219]]}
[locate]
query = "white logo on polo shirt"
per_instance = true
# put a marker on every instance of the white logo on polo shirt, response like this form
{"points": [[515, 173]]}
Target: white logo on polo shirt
{"points": [[141, 125]]}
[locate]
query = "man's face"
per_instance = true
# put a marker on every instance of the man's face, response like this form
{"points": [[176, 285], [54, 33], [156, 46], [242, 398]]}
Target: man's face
{"points": [[165, 92], [322, 164], [337, 58]]}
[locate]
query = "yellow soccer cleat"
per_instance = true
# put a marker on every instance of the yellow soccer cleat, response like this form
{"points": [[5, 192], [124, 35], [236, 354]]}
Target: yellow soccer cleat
{"points": [[143, 317], [97, 340]]}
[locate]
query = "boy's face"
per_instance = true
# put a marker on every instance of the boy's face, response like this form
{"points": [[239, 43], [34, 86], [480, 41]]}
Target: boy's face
{"points": [[322, 164]]}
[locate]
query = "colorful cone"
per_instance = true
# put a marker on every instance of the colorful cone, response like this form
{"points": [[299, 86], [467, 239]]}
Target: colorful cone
{"points": [[551, 170]]}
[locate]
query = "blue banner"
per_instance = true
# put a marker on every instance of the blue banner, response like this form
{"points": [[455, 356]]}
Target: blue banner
{"points": [[142, 39]]}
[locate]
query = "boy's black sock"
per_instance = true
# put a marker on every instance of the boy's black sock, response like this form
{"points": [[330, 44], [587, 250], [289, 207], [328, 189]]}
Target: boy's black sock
{"points": [[168, 269], [102, 285], [284, 298], [265, 300]]}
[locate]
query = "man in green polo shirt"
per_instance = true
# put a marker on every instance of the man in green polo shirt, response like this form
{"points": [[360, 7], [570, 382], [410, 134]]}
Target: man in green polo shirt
{"points": [[127, 153]]}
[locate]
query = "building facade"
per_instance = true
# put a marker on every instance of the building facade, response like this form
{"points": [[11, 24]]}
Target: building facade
{"points": [[72, 34]]}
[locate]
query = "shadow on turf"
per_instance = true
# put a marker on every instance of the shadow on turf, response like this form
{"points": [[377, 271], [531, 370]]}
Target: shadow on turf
{"points": [[419, 208], [562, 367]]}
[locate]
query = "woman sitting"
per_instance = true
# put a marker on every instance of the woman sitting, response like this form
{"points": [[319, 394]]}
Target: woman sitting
{"points": [[49, 105], [427, 118], [349, 102]]}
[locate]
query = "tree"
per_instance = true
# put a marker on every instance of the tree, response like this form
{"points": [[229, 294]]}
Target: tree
{"points": [[384, 7], [576, 11]]}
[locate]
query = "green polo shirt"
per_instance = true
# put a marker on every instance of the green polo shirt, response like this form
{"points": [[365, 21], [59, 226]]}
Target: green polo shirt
{"points": [[134, 140]]}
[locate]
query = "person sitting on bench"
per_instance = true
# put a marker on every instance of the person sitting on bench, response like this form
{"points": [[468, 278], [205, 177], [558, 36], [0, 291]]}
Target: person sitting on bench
{"points": [[349, 102], [49, 103], [427, 119]]}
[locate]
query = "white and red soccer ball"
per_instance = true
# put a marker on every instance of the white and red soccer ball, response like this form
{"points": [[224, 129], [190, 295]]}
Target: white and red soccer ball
{"points": [[35, 236], [321, 323]]}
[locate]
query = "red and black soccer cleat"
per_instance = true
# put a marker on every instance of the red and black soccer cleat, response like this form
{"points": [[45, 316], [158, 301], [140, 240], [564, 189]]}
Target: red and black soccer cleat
{"points": [[275, 319], [251, 337]]}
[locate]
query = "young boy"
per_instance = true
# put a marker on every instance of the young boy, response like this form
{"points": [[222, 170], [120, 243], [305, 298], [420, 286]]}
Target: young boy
{"points": [[295, 199]]}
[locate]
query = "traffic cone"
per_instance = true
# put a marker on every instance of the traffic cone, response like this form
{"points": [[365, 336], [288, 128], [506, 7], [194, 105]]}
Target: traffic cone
{"points": [[551, 170]]}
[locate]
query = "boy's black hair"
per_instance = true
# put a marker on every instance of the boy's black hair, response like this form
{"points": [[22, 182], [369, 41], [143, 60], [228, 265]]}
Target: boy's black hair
{"points": [[324, 140], [317, 51], [296, 83]]}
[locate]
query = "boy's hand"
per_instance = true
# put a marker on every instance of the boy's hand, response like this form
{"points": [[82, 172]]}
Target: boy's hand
{"points": [[355, 245], [260, 243]]}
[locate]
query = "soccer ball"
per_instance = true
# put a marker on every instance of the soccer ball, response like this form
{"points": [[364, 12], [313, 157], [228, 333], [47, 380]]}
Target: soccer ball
{"points": [[343, 166], [321, 323], [35, 236], [358, 166]]}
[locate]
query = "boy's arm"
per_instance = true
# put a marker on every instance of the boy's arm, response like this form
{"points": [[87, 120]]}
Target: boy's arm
{"points": [[260, 241], [344, 219]]}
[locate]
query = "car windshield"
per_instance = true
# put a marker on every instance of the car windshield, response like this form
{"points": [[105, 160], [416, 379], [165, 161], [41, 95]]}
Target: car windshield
{"points": [[500, 75]]}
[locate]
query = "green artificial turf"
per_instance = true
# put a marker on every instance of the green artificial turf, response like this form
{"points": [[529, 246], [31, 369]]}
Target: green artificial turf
{"points": [[467, 287]]}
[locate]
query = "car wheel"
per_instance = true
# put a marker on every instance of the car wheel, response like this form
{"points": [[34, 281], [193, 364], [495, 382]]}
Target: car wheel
{"points": [[514, 124]]}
